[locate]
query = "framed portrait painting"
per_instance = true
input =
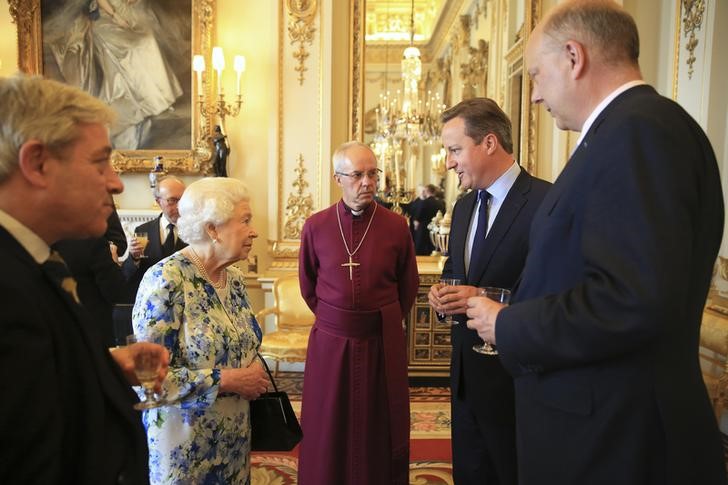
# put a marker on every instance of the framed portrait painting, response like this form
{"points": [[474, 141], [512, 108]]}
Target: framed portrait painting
{"points": [[135, 55]]}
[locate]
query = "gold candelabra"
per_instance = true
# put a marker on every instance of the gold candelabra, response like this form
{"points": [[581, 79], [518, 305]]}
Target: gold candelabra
{"points": [[219, 107]]}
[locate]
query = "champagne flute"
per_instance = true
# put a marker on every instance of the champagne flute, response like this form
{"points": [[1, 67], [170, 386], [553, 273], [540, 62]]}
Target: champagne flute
{"points": [[143, 239], [500, 295], [147, 363], [449, 282]]}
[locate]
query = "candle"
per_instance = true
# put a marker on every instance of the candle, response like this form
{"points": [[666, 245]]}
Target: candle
{"points": [[218, 63], [239, 65], [198, 65], [396, 169]]}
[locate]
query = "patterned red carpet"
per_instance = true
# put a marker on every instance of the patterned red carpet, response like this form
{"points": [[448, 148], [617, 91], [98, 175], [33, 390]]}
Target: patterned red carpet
{"points": [[430, 454]]}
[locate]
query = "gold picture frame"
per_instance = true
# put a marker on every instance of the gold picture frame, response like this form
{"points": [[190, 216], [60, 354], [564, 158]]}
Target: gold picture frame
{"points": [[27, 16]]}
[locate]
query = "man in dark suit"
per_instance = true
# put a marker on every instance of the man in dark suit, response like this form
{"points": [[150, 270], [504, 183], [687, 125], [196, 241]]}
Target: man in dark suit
{"points": [[602, 332], [421, 218], [66, 414], [162, 234], [101, 284], [477, 136]]}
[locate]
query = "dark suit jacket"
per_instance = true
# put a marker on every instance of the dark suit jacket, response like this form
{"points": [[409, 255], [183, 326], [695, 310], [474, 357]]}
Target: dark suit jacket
{"points": [[424, 212], [134, 272], [66, 412], [488, 385], [603, 340], [101, 283]]}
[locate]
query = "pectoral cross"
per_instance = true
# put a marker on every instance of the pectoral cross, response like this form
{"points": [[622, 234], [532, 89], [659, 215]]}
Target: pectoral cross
{"points": [[350, 264]]}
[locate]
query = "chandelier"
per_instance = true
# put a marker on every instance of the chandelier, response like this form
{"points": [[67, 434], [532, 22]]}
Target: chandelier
{"points": [[405, 122]]}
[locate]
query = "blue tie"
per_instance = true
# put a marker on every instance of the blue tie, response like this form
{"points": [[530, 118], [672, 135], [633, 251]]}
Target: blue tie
{"points": [[481, 231]]}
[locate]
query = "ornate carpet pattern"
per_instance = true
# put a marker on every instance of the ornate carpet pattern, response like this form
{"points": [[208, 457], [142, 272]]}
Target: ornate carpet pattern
{"points": [[431, 459]]}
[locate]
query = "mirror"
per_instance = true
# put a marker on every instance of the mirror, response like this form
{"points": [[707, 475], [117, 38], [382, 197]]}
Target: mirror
{"points": [[467, 48]]}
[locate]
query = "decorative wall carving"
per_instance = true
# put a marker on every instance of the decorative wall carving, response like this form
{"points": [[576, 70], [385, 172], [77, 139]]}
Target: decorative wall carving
{"points": [[302, 14], [692, 18], [299, 205], [474, 72]]}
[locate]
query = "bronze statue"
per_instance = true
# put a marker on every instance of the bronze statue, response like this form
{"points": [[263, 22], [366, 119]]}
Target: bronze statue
{"points": [[222, 150]]}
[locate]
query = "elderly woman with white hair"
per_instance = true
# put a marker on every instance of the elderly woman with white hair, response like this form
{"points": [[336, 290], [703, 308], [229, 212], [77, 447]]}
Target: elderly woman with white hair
{"points": [[196, 303]]}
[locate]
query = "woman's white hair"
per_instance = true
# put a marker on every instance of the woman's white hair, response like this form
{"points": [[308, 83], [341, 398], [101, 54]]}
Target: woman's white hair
{"points": [[209, 200]]}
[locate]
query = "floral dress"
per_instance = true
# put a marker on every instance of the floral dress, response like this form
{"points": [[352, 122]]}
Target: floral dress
{"points": [[205, 439]]}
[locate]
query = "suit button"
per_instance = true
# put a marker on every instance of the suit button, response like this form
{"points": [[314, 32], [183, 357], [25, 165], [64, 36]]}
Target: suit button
{"points": [[121, 479]]}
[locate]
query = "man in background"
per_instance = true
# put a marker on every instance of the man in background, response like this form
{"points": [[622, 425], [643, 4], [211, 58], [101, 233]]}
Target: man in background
{"points": [[161, 233], [488, 247], [67, 417], [421, 218], [101, 284], [602, 333], [358, 274]]}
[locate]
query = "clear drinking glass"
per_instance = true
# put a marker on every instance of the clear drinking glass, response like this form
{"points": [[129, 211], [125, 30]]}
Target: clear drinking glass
{"points": [[143, 239], [500, 295], [146, 368], [449, 282]]}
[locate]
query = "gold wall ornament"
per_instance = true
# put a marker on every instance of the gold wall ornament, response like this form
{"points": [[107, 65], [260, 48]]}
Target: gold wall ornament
{"points": [[302, 14], [474, 72], [27, 16], [356, 67], [299, 205], [693, 11]]}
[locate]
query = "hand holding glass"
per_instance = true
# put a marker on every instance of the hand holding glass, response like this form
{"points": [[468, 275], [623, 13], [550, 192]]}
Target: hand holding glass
{"points": [[449, 282], [499, 295], [147, 364], [143, 239]]}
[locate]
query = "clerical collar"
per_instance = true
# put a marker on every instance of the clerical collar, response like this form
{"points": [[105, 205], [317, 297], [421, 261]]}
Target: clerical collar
{"points": [[355, 212]]}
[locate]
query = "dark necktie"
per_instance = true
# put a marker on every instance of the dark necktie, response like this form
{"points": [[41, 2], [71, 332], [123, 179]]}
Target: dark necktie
{"points": [[481, 231], [57, 270], [168, 246]]}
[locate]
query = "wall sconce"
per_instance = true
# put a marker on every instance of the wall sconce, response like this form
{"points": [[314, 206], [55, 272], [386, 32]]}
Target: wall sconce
{"points": [[218, 106]]}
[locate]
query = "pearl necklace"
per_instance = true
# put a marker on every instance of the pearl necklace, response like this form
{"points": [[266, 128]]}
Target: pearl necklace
{"points": [[198, 262]]}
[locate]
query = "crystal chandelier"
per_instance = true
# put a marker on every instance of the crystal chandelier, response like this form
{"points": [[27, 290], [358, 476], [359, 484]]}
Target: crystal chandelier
{"points": [[404, 116]]}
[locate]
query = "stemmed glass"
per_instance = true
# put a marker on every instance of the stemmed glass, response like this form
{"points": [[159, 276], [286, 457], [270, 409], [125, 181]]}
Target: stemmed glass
{"points": [[143, 239], [500, 295], [147, 363], [449, 282]]}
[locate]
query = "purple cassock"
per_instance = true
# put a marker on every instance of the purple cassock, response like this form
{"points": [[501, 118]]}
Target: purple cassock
{"points": [[355, 410]]}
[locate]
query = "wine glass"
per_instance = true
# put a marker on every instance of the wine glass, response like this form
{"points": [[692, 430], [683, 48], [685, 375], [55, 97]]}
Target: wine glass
{"points": [[449, 282], [147, 363], [143, 239], [500, 295]]}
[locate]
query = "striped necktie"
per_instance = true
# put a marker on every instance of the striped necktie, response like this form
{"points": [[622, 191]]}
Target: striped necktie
{"points": [[57, 270]]}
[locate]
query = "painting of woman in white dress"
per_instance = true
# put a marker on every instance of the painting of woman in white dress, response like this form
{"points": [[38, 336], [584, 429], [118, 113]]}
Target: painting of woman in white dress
{"points": [[132, 54]]}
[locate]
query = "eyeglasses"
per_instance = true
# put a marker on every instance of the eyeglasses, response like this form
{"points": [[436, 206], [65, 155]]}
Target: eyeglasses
{"points": [[357, 176], [171, 200]]}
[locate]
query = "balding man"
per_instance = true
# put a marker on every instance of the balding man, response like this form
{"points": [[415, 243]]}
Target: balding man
{"points": [[602, 333], [161, 232]]}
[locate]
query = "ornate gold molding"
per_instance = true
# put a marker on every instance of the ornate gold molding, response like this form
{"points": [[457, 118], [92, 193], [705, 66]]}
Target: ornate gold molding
{"points": [[299, 205], [356, 67], [302, 14], [474, 72], [692, 18], [27, 16]]}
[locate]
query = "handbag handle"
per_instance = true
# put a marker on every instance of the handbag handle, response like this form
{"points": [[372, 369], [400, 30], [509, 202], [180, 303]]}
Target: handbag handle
{"points": [[265, 364]]}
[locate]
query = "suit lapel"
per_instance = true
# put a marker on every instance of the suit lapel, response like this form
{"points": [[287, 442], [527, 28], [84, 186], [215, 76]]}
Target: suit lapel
{"points": [[512, 205]]}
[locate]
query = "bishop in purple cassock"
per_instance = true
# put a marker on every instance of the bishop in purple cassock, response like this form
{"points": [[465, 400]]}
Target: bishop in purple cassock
{"points": [[358, 275]]}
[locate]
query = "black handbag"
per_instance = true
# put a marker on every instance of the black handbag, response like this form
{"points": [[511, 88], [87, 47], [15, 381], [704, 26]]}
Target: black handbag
{"points": [[273, 424]]}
